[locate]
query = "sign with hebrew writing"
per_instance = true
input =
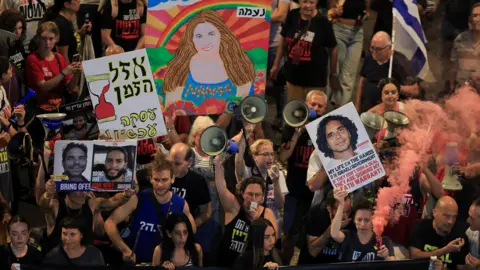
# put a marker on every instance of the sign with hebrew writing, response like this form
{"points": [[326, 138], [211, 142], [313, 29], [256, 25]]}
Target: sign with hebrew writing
{"points": [[343, 145], [207, 55], [123, 96]]}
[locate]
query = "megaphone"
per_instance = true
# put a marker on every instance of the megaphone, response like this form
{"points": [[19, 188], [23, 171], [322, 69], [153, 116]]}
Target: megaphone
{"points": [[51, 121], [395, 120], [450, 180], [253, 109], [373, 123], [214, 141], [296, 113]]}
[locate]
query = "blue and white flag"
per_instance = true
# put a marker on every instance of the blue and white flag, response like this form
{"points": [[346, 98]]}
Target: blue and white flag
{"points": [[409, 37]]}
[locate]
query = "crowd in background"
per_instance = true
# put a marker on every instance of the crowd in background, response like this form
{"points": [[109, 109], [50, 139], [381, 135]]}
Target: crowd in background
{"points": [[269, 205]]}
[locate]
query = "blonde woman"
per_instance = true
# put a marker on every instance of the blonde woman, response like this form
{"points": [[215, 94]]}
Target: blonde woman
{"points": [[209, 63]]}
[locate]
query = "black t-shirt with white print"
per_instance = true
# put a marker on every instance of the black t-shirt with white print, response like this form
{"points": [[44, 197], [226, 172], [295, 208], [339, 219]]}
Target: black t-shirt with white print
{"points": [[317, 37], [352, 250], [193, 188], [127, 26]]}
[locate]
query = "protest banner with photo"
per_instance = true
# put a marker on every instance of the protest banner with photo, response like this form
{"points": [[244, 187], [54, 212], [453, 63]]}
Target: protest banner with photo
{"points": [[123, 96], [207, 55], [94, 165], [80, 122], [343, 145], [113, 165]]}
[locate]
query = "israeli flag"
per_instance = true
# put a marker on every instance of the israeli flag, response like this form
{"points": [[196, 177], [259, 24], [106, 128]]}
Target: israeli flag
{"points": [[409, 37]]}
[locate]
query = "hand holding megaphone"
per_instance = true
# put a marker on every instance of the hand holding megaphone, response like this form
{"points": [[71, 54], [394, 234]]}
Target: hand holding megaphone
{"points": [[219, 160]]}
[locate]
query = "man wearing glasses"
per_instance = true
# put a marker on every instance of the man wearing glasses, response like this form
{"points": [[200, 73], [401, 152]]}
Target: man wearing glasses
{"points": [[376, 66], [264, 156], [464, 57]]}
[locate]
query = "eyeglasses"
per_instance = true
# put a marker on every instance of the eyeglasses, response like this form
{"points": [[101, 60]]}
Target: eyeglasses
{"points": [[267, 154], [377, 49]]}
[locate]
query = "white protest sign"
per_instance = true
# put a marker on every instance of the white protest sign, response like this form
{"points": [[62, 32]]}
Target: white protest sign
{"points": [[94, 165], [123, 96], [343, 145]]}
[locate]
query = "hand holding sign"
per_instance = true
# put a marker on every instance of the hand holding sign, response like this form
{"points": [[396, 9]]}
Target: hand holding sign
{"points": [[340, 195]]}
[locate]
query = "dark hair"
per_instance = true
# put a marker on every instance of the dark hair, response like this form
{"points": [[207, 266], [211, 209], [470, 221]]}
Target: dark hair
{"points": [[255, 242], [322, 137], [79, 224], [18, 219], [362, 204], [383, 82], [250, 181], [331, 201], [189, 154], [120, 149], [168, 246], [160, 163], [4, 65], [52, 12], [71, 146], [9, 19], [477, 202], [477, 4]]}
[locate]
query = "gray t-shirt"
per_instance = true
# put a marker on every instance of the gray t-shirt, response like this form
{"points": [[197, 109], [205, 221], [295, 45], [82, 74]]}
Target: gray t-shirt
{"points": [[91, 257]]}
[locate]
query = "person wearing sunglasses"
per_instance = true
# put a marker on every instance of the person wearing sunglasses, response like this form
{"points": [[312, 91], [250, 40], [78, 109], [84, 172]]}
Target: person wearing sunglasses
{"points": [[376, 67]]}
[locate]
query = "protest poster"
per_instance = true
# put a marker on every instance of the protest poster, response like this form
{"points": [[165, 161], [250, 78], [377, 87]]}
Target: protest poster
{"points": [[80, 123], [94, 165], [123, 96], [207, 55], [343, 145]]}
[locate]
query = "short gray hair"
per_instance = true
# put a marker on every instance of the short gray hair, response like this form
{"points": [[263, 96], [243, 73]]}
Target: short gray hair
{"points": [[316, 93]]}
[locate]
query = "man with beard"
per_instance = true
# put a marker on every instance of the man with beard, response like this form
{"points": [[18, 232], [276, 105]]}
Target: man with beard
{"points": [[80, 128], [466, 63], [74, 161], [116, 164], [337, 138], [295, 149], [149, 209], [442, 237]]}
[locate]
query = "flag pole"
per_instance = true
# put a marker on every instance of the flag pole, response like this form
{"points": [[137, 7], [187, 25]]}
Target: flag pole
{"points": [[393, 46]]}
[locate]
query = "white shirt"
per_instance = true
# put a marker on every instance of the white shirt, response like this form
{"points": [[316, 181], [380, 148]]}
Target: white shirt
{"points": [[315, 166], [473, 240]]}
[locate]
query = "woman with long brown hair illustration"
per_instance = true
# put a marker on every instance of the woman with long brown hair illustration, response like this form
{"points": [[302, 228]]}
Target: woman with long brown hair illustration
{"points": [[209, 63]]}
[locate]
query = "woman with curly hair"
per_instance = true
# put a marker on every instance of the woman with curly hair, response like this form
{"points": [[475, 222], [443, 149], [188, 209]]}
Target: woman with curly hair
{"points": [[209, 63]]}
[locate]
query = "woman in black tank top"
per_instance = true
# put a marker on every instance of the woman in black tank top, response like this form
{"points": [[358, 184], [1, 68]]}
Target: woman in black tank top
{"points": [[260, 251], [240, 211], [179, 248]]}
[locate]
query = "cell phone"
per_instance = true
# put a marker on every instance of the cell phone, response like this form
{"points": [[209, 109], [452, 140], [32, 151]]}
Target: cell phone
{"points": [[76, 57], [253, 206], [16, 266]]}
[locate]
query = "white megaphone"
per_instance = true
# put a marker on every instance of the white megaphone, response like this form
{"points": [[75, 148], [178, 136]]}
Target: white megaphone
{"points": [[395, 121], [450, 180], [253, 109], [51, 122], [373, 123], [296, 113], [214, 141]]}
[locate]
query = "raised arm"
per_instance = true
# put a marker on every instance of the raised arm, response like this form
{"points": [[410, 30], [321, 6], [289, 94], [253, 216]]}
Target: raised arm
{"points": [[335, 229], [228, 200]]}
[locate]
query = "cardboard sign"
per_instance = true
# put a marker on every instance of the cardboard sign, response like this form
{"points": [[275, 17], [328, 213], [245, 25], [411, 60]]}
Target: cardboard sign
{"points": [[80, 122], [94, 165], [123, 96], [344, 148], [206, 56]]}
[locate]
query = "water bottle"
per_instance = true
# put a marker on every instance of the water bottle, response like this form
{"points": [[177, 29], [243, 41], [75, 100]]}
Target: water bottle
{"points": [[431, 266]]}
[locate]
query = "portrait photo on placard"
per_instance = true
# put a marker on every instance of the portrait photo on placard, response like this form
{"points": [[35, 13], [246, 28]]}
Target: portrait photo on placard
{"points": [[80, 122], [344, 148], [113, 165], [72, 165]]}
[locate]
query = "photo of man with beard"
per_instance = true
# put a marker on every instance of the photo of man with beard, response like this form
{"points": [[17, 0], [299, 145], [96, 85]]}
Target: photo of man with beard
{"points": [[81, 128], [116, 166], [337, 138], [74, 161]]}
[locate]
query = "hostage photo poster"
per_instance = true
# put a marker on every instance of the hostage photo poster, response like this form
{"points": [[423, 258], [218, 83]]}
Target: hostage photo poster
{"points": [[94, 165], [344, 148], [207, 55], [123, 96]]}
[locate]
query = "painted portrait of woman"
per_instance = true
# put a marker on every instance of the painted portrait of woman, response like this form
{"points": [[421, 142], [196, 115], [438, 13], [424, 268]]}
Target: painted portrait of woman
{"points": [[209, 63]]}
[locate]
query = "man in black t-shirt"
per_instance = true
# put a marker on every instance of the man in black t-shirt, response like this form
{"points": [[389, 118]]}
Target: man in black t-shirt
{"points": [[442, 237], [126, 30], [190, 185], [296, 149], [375, 67], [321, 248]]}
